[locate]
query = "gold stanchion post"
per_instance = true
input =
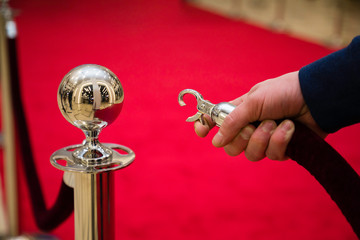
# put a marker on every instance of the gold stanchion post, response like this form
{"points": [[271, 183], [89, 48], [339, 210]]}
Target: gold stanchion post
{"points": [[91, 97]]}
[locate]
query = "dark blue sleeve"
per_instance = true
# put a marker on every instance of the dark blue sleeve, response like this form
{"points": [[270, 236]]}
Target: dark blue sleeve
{"points": [[331, 88]]}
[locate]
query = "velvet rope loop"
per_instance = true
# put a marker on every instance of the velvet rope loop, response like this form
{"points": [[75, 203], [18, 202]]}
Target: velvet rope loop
{"points": [[46, 218]]}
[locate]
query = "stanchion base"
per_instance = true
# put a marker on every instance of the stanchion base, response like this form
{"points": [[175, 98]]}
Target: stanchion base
{"points": [[31, 237]]}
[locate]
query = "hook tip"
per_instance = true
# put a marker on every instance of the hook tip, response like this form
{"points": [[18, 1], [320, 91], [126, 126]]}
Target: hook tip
{"points": [[188, 91]]}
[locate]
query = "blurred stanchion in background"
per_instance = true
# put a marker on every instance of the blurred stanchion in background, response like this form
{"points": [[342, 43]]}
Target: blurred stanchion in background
{"points": [[332, 23], [9, 220], [13, 117]]}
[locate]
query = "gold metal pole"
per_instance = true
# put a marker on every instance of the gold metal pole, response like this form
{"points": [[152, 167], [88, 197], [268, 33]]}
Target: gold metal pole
{"points": [[8, 132], [81, 93], [94, 206]]}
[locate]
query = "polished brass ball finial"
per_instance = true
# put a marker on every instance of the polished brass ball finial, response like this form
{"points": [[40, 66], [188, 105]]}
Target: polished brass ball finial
{"points": [[90, 95]]}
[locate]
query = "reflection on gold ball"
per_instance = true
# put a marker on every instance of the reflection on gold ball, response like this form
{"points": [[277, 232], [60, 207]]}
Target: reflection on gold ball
{"points": [[90, 93]]}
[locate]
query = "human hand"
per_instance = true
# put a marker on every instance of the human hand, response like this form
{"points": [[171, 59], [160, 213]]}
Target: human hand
{"points": [[278, 98]]}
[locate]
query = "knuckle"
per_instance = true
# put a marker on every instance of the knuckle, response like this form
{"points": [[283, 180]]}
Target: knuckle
{"points": [[253, 156], [252, 97], [260, 140], [255, 87], [254, 103], [233, 150], [231, 153], [272, 156]]}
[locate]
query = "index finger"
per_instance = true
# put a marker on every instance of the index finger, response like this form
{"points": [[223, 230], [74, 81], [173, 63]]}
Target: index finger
{"points": [[203, 130]]}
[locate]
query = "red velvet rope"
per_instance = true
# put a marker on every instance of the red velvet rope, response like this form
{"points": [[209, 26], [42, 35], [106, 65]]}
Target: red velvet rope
{"points": [[46, 219], [330, 169]]}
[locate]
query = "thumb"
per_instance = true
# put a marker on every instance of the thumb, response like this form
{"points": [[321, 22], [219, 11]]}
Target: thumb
{"points": [[233, 123]]}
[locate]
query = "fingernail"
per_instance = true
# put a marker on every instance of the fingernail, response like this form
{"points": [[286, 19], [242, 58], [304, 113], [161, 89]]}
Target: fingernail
{"points": [[198, 125], [217, 140], [206, 123], [267, 126], [246, 132], [288, 127]]}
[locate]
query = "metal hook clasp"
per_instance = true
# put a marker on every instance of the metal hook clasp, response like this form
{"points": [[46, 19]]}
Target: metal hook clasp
{"points": [[203, 106]]}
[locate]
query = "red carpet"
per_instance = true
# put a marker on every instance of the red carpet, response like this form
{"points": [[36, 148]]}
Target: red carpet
{"points": [[179, 187]]}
